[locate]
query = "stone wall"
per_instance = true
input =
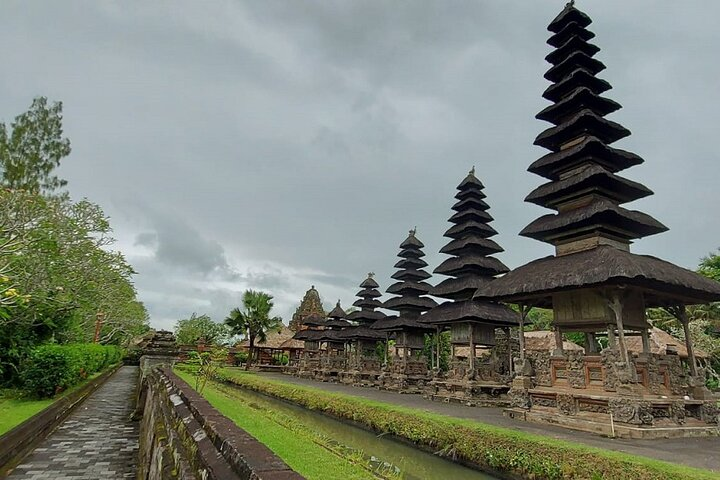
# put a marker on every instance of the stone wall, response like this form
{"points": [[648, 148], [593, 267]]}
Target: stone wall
{"points": [[183, 437]]}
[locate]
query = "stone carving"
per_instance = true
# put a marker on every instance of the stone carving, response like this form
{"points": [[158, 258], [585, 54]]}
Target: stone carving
{"points": [[710, 412], [566, 404], [540, 364], [520, 398], [677, 412], [632, 411]]}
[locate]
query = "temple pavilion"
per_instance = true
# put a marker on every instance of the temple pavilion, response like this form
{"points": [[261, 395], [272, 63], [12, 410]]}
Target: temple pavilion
{"points": [[361, 342], [481, 360], [594, 283], [405, 365]]}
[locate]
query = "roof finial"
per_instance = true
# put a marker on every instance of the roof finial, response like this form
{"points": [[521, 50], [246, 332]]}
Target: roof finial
{"points": [[413, 231], [371, 274], [338, 303], [572, 3], [472, 170]]}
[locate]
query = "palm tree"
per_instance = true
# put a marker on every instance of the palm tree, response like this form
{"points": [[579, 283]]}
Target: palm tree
{"points": [[254, 322]]}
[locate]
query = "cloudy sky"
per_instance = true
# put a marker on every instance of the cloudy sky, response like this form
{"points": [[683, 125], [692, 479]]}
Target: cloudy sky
{"points": [[280, 144]]}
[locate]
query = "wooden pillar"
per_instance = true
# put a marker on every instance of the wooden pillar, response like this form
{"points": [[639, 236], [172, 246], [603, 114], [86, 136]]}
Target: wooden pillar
{"points": [[524, 311], [645, 340], [591, 342], [387, 347], [471, 357], [510, 352], [558, 340], [438, 332], [616, 305], [681, 314]]}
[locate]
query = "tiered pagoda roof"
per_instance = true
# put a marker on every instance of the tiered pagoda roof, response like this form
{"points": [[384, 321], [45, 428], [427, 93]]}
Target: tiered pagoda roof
{"points": [[411, 289], [367, 315], [367, 302], [591, 230], [582, 168], [337, 318], [470, 265]]}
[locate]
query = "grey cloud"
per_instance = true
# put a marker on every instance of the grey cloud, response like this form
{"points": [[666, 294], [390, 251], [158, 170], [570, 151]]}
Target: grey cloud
{"points": [[292, 143]]}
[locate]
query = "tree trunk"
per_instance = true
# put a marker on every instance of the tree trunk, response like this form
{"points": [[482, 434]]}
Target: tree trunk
{"points": [[250, 353]]}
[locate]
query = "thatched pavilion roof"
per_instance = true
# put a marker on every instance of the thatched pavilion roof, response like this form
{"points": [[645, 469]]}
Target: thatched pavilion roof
{"points": [[275, 339], [395, 323], [659, 342], [360, 332], [662, 281], [472, 311]]}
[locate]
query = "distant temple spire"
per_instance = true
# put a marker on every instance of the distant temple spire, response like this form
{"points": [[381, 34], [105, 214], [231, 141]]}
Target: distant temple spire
{"points": [[584, 188]]}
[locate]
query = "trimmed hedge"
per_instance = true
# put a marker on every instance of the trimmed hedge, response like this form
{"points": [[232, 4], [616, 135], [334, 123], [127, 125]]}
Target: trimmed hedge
{"points": [[505, 451], [50, 369]]}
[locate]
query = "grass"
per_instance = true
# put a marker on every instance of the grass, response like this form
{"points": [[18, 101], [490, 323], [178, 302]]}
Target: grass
{"points": [[297, 448], [16, 406], [495, 448]]}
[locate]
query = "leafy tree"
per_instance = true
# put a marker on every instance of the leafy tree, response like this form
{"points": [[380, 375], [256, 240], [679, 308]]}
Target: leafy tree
{"points": [[32, 147], [254, 321], [56, 258], [189, 331], [710, 266]]}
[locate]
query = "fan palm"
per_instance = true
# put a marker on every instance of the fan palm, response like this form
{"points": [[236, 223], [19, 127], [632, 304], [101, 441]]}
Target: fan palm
{"points": [[254, 321]]}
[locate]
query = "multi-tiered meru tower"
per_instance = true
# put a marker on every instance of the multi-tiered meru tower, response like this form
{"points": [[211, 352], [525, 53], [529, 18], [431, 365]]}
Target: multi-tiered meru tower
{"points": [[405, 366], [473, 376], [593, 283], [363, 365]]}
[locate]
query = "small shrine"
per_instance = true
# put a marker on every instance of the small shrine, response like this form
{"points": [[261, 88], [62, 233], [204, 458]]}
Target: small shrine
{"points": [[593, 283], [310, 332], [405, 365], [480, 367], [333, 358], [361, 342]]}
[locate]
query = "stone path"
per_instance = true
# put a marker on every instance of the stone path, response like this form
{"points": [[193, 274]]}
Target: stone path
{"points": [[97, 441], [701, 452]]}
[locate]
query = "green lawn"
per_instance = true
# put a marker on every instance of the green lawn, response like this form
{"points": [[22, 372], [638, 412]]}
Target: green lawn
{"points": [[15, 408], [295, 448], [14, 411]]}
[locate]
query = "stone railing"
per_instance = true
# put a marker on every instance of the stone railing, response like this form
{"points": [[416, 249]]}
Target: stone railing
{"points": [[183, 437]]}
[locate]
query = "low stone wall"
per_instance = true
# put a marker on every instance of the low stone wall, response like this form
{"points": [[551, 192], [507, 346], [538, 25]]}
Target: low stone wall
{"points": [[183, 437], [16, 443]]}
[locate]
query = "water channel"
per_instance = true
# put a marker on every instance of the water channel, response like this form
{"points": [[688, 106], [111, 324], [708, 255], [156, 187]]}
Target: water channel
{"points": [[413, 464]]}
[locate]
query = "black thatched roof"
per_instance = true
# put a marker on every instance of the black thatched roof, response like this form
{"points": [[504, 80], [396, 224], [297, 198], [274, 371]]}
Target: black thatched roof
{"points": [[365, 316], [617, 188], [469, 265], [601, 215], [337, 323], [398, 324], [359, 333], [471, 311], [411, 287], [367, 302], [314, 320], [459, 288], [602, 266], [552, 165], [336, 312], [369, 293], [415, 263], [308, 335], [369, 282], [583, 186]]}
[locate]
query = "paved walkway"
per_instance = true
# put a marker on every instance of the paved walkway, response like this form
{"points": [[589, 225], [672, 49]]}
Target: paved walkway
{"points": [[97, 441], [695, 452]]}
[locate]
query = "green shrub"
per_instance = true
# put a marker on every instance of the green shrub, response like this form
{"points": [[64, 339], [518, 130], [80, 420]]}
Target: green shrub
{"points": [[509, 452], [51, 369]]}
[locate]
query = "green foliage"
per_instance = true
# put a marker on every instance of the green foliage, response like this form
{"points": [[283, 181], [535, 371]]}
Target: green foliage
{"points": [[254, 321], [207, 366], [710, 266], [511, 453], [191, 330], [51, 369], [54, 254], [430, 346], [32, 148]]}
